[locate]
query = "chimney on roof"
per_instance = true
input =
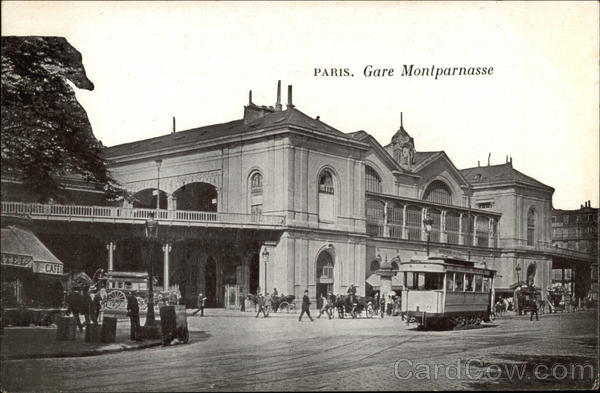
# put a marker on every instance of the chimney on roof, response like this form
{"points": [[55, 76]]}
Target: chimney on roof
{"points": [[507, 158], [489, 156], [290, 105], [318, 118], [478, 163], [510, 161], [172, 132], [250, 97], [401, 123], [278, 104]]}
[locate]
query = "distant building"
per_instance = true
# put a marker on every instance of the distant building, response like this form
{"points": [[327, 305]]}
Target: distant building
{"points": [[576, 230]]}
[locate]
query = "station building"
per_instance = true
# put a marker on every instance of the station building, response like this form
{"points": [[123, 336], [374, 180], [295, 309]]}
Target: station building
{"points": [[280, 199]]}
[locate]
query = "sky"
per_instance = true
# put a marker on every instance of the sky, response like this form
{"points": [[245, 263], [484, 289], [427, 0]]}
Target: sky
{"points": [[196, 61]]}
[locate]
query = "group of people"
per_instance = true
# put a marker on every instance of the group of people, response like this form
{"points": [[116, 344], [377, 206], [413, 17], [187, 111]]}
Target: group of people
{"points": [[82, 301]]}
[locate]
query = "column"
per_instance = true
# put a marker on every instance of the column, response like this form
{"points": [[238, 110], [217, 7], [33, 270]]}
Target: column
{"points": [[111, 248], [171, 202], [423, 215], [404, 234], [461, 238], [166, 250], [474, 231], [386, 228], [443, 233]]}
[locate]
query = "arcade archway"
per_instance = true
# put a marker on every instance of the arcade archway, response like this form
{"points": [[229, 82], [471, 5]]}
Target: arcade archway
{"points": [[146, 199], [197, 197]]}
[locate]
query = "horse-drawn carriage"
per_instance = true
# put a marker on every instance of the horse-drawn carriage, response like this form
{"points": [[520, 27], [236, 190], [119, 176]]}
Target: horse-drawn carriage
{"points": [[353, 305], [283, 302], [119, 285]]}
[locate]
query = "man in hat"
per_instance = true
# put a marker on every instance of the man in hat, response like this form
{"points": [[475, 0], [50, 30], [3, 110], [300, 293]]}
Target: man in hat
{"points": [[201, 302], [305, 306]]}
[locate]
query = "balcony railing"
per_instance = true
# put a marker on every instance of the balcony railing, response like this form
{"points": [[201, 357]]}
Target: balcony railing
{"points": [[108, 212]]}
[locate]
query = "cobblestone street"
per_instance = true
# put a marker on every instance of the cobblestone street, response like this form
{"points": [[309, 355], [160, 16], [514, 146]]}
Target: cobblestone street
{"points": [[241, 352]]}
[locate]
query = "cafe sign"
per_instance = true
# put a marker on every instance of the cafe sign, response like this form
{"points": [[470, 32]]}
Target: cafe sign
{"points": [[47, 268], [16, 260]]}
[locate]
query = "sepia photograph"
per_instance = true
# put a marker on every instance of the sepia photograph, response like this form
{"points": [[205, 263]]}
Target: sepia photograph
{"points": [[299, 196]]}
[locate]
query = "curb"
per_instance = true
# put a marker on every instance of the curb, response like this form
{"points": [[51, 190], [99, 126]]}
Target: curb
{"points": [[91, 352]]}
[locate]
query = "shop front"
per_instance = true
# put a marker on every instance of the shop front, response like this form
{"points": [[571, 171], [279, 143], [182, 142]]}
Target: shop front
{"points": [[31, 290]]}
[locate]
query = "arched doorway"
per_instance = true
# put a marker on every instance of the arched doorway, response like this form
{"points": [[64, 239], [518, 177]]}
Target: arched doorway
{"points": [[324, 275], [197, 197], [146, 199]]}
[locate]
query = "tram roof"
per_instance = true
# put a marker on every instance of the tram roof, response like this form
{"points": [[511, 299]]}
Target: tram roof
{"points": [[447, 261]]}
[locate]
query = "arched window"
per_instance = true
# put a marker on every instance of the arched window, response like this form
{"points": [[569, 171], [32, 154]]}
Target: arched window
{"points": [[372, 180], [255, 195], [326, 197], [375, 265], [531, 227], [438, 192], [256, 183], [326, 183]]}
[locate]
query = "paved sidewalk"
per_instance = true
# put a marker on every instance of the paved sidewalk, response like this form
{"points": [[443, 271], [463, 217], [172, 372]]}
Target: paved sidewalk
{"points": [[40, 342]]}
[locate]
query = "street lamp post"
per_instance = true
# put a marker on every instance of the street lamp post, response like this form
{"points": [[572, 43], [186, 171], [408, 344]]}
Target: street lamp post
{"points": [[428, 222], [158, 164], [151, 234], [265, 255]]}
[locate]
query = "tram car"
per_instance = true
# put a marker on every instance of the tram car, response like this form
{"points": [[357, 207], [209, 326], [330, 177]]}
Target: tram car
{"points": [[442, 292]]}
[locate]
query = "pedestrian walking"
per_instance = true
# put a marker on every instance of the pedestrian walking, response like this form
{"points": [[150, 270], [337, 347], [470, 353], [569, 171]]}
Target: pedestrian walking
{"points": [[267, 305], [534, 309], [88, 305], [260, 302], [324, 307], [133, 312], [201, 303], [95, 307], [75, 305], [305, 306]]}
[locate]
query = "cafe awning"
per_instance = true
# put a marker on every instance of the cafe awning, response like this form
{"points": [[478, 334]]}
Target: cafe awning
{"points": [[375, 281], [22, 249]]}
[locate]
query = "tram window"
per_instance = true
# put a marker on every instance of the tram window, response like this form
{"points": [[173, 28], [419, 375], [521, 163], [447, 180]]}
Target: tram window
{"points": [[411, 280], [478, 283], [486, 284], [433, 281], [468, 282], [421, 281], [449, 281], [460, 282]]}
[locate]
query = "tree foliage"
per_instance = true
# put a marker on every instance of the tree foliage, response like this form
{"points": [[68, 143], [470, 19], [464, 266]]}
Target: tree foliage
{"points": [[46, 133]]}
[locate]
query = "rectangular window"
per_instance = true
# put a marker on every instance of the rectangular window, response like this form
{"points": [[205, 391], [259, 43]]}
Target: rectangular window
{"points": [[434, 281], [469, 282], [485, 205], [449, 281], [478, 283], [459, 279], [486, 284]]}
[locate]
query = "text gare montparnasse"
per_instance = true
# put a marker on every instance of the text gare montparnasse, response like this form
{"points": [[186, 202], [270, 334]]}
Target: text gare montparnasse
{"points": [[435, 72]]}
